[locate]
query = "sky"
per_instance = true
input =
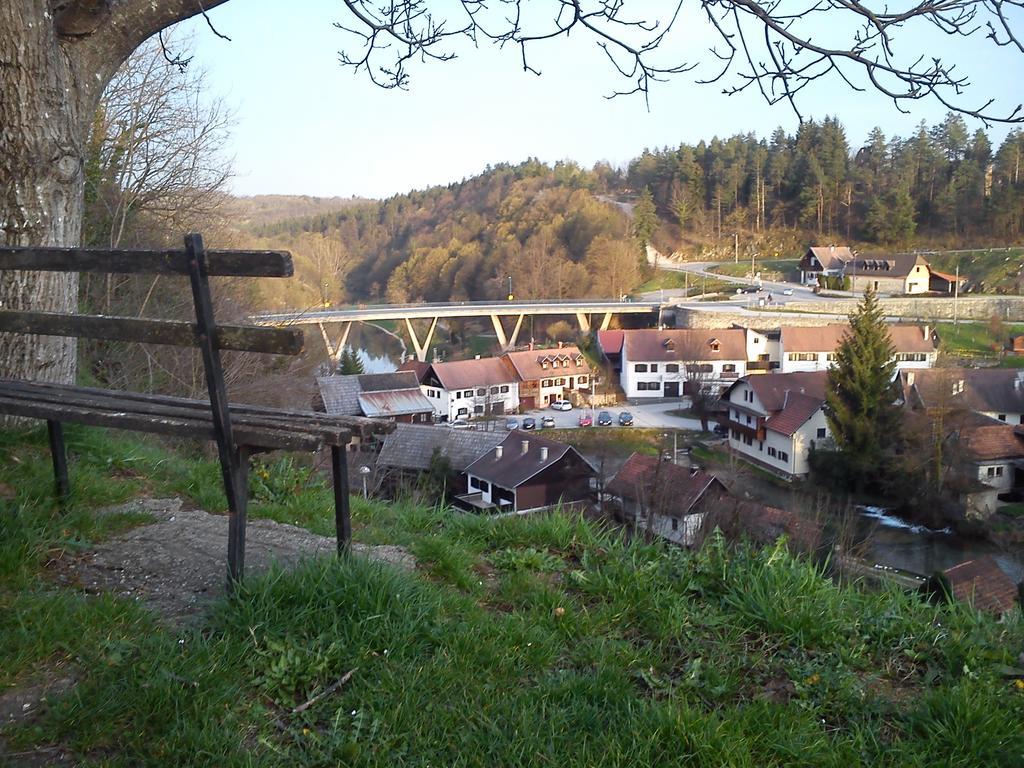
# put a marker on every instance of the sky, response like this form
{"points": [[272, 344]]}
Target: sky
{"points": [[305, 125]]}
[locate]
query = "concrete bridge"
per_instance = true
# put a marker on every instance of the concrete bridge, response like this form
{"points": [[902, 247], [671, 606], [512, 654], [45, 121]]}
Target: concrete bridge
{"points": [[589, 313]]}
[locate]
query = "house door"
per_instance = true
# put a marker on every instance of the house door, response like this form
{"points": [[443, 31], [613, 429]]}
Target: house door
{"points": [[572, 383], [671, 389]]}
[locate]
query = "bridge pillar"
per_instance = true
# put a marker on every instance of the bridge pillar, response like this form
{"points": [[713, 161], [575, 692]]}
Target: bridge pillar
{"points": [[584, 322], [334, 352], [606, 321], [507, 342], [421, 349]]}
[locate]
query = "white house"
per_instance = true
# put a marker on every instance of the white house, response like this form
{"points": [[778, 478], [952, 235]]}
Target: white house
{"points": [[773, 419], [994, 392], [668, 363], [466, 389], [545, 375], [810, 348]]}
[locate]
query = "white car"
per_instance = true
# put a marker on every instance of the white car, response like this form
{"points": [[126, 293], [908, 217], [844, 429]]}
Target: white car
{"points": [[561, 405], [787, 291]]}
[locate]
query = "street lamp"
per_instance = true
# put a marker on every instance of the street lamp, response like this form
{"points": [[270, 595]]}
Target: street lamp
{"points": [[510, 288], [363, 472]]}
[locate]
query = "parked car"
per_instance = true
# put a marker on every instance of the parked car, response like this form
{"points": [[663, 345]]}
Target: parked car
{"points": [[604, 419], [625, 419], [721, 430], [586, 420], [561, 405], [461, 424], [548, 422], [787, 291], [511, 424], [529, 423], [748, 289]]}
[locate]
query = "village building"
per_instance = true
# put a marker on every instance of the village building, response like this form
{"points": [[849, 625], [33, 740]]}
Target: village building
{"points": [[667, 500], [610, 344], [994, 392], [828, 261], [673, 363], [410, 450], [900, 273], [983, 585], [803, 348], [527, 473], [546, 375], [467, 389], [773, 420], [765, 525], [392, 396], [996, 454]]}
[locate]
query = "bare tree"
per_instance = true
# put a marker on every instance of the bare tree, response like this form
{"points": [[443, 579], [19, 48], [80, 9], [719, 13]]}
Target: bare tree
{"points": [[57, 57]]}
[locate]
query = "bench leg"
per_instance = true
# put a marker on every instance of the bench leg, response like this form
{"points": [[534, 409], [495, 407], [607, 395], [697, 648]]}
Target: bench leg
{"points": [[237, 520], [60, 460], [342, 516]]}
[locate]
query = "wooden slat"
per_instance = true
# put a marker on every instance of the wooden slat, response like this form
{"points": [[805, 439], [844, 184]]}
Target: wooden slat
{"points": [[222, 263], [278, 341], [360, 424], [161, 406]]}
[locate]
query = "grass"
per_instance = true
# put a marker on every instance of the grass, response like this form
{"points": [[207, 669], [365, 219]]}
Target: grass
{"points": [[995, 270], [1013, 510], [518, 641], [968, 339], [770, 269], [671, 280], [611, 441]]}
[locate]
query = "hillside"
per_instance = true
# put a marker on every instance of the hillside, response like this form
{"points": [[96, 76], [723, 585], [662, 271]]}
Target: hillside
{"points": [[514, 642], [247, 213]]}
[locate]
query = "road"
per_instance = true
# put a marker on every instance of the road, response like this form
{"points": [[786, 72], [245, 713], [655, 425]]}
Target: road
{"points": [[648, 415]]}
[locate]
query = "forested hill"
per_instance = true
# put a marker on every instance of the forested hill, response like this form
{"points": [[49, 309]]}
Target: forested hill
{"points": [[552, 230]]}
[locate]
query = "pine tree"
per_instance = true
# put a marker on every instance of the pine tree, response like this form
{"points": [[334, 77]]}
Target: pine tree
{"points": [[350, 362], [860, 399]]}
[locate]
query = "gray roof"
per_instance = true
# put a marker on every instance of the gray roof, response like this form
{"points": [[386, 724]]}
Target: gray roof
{"points": [[341, 394], [988, 390], [522, 459], [410, 446]]}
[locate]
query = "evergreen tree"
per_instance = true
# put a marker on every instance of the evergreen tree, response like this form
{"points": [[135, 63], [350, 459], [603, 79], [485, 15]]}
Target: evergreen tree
{"points": [[645, 220], [350, 362], [860, 398]]}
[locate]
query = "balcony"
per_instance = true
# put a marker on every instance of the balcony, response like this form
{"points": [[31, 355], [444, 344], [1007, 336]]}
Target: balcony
{"points": [[759, 365], [755, 430]]}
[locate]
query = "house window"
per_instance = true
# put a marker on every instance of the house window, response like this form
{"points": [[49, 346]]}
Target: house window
{"points": [[559, 382], [831, 356], [729, 368], [481, 392], [995, 471], [494, 390], [748, 419], [582, 380], [468, 393], [802, 356], [783, 456], [715, 346], [504, 388], [462, 412], [648, 386], [478, 409], [458, 395], [771, 451], [821, 433], [654, 367], [675, 524], [474, 483], [1001, 417], [735, 434], [748, 440], [760, 445], [640, 368], [672, 368]]}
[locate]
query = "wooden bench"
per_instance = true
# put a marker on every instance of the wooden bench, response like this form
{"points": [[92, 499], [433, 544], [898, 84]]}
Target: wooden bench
{"points": [[238, 430]]}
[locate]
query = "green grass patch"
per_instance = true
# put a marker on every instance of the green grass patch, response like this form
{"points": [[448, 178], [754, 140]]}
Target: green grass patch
{"points": [[611, 441], [989, 270], [973, 339], [770, 269], [675, 281], [517, 641]]}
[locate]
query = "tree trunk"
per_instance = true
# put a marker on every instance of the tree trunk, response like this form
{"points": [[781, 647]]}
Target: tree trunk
{"points": [[41, 180]]}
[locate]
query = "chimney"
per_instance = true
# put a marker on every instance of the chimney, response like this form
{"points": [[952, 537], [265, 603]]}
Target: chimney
{"points": [[927, 333], [476, 357], [1018, 382], [526, 446], [544, 453], [498, 450], [559, 345], [910, 378]]}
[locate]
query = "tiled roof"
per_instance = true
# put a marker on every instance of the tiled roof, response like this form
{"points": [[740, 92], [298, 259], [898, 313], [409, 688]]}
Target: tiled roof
{"points": [[771, 388], [393, 394], [797, 408], [411, 446], [379, 382], [831, 257], [610, 341], [661, 485], [982, 584], [995, 390], [516, 466], [417, 367], [529, 365], [340, 394], [826, 338], [466, 374], [685, 345], [896, 265], [994, 441], [764, 525]]}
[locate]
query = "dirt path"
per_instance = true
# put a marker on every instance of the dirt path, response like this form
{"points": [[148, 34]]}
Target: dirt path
{"points": [[177, 564]]}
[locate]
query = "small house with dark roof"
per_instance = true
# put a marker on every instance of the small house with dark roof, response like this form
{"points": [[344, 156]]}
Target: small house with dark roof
{"points": [[828, 260], [392, 396], [668, 500], [813, 348], [671, 363], [467, 389], [899, 273], [526, 473], [764, 525], [546, 375], [983, 585], [773, 419], [410, 449], [994, 392]]}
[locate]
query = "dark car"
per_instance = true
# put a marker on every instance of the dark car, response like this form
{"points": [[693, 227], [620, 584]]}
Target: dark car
{"points": [[548, 422], [529, 423], [604, 419], [625, 419], [721, 430], [748, 289]]}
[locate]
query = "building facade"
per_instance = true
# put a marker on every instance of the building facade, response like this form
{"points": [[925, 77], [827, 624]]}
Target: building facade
{"points": [[671, 363]]}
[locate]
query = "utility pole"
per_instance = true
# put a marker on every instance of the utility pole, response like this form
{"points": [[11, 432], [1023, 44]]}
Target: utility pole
{"points": [[736, 247], [956, 295]]}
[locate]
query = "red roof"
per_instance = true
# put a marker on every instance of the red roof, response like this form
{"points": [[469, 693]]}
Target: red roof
{"points": [[796, 410], [466, 374], [417, 367], [826, 338], [993, 441], [662, 484], [610, 341], [534, 364], [772, 388], [685, 345], [982, 584]]}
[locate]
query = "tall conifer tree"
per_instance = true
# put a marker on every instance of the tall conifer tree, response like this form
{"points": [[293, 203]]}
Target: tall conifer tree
{"points": [[860, 399]]}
